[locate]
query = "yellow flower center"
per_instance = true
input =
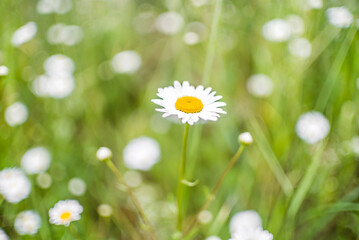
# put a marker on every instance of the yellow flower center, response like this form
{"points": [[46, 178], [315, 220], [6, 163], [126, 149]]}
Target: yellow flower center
{"points": [[189, 104], [65, 216]]}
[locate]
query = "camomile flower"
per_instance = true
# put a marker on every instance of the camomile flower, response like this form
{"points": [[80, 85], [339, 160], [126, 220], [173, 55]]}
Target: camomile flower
{"points": [[245, 220], [14, 185], [340, 17], [36, 160], [27, 223], [16, 114], [252, 234], [24, 34], [312, 127], [189, 103], [65, 211], [3, 235]]}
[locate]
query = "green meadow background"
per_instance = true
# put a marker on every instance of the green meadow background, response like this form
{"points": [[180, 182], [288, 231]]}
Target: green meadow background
{"points": [[108, 109]]}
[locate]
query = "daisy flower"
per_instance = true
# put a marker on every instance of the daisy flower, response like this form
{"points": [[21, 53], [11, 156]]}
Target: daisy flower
{"points": [[14, 185], [252, 234], [27, 223], [312, 127], [3, 235], [64, 212], [189, 103], [245, 220]]}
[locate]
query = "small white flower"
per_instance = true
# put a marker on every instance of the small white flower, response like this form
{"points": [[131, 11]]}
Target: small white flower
{"points": [[27, 223], [103, 153], [64, 212], [59, 65], [312, 127], [188, 103], [104, 210], [252, 234], [14, 185], [191, 38], [213, 238], [4, 71], [44, 180], [53, 86], [141, 153], [340, 17], [24, 34], [54, 6], [260, 85], [169, 23], [3, 235], [126, 62], [315, 4], [36, 160], [16, 114], [300, 47], [245, 138], [276, 30], [243, 220], [77, 186], [62, 34]]}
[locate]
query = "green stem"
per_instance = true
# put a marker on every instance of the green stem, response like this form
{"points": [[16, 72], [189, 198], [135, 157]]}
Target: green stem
{"points": [[181, 177], [134, 199], [212, 43], [212, 195]]}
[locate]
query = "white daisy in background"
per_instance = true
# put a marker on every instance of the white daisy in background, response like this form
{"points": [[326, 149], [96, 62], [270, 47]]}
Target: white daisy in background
{"points": [[213, 238], [252, 234], [195, 33], [27, 223], [312, 127], [24, 34], [103, 153], [245, 138], [260, 85], [62, 34], [188, 103], [300, 47], [169, 23], [59, 65], [54, 6], [126, 62], [77, 186], [14, 185], [44, 180], [104, 210], [3, 235], [340, 17], [4, 71], [36, 160], [141, 153], [276, 30], [248, 219], [64, 212], [16, 114], [315, 4]]}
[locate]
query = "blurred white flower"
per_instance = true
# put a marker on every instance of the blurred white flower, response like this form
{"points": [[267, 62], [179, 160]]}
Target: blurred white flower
{"points": [[103, 153], [260, 85], [340, 17], [296, 24], [245, 138], [62, 34], [213, 238], [141, 153], [205, 217], [4, 70], [188, 103], [14, 185], [3, 235], [127, 62], [16, 114], [77, 186], [104, 210], [252, 234], [64, 212], [36, 160], [300, 47], [190, 38], [54, 6], [44, 180], [315, 4], [59, 65], [276, 30], [53, 86], [24, 34], [133, 178], [27, 223], [312, 127], [243, 220], [169, 23]]}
